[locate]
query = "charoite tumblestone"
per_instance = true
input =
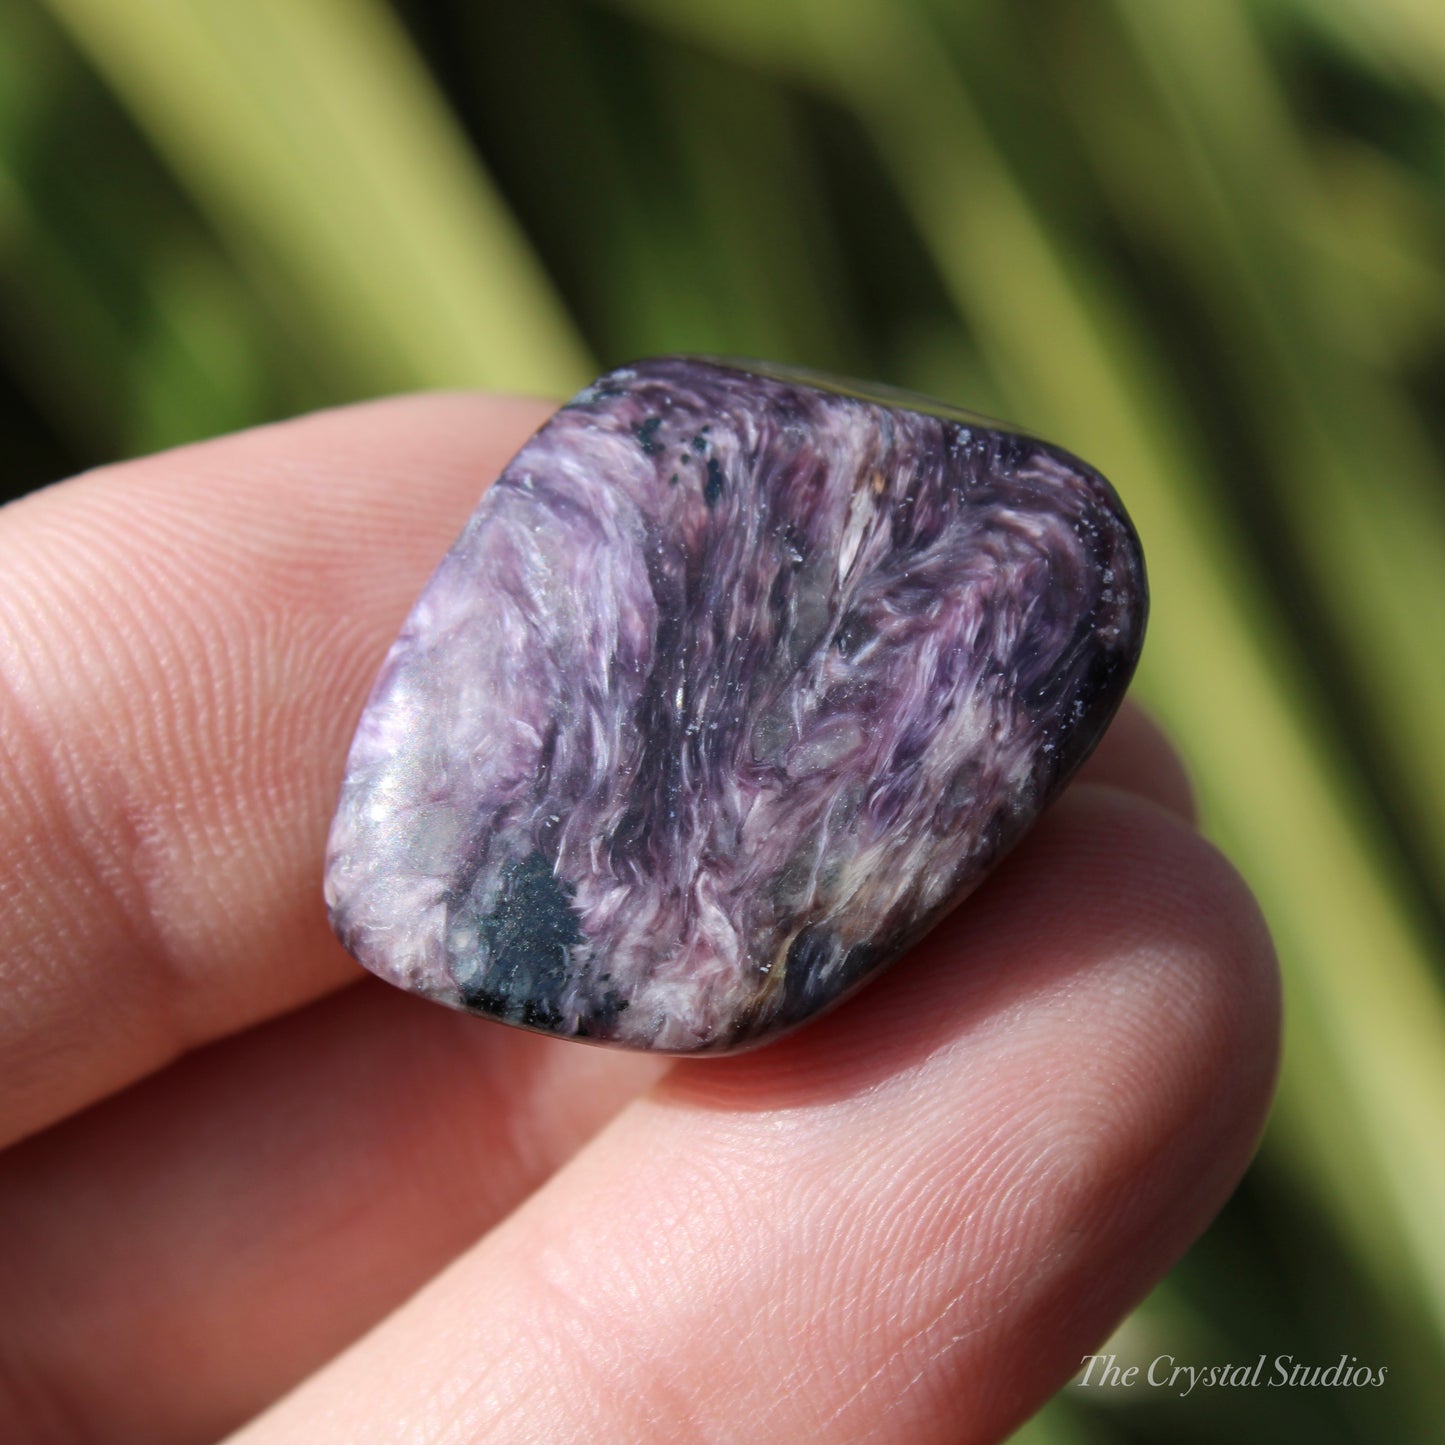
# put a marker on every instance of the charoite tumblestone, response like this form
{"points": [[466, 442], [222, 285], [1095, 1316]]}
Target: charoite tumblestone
{"points": [[734, 684]]}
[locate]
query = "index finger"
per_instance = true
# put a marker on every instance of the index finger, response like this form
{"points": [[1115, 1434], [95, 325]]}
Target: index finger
{"points": [[185, 643]]}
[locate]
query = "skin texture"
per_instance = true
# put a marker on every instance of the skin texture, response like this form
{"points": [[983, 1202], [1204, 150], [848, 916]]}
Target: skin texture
{"points": [[232, 1176]]}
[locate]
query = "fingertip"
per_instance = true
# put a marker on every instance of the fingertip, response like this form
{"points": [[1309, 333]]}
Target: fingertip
{"points": [[186, 641], [1136, 756], [1106, 877]]}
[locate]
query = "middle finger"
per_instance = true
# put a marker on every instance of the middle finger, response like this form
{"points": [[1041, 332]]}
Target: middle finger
{"points": [[176, 1257]]}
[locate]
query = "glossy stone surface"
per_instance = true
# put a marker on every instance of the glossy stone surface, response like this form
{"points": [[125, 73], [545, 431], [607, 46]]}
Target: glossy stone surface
{"points": [[733, 685]]}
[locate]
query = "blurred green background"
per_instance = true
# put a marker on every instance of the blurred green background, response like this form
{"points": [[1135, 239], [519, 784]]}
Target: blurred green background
{"points": [[1200, 242]]}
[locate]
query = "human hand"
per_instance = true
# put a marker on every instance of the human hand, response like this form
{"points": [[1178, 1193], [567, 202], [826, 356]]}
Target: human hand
{"points": [[235, 1169]]}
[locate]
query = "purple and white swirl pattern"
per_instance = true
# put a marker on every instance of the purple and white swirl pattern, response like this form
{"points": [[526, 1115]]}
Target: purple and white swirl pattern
{"points": [[733, 685]]}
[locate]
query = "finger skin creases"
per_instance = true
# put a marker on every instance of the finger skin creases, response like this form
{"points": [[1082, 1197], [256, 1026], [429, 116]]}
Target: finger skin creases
{"points": [[185, 643]]}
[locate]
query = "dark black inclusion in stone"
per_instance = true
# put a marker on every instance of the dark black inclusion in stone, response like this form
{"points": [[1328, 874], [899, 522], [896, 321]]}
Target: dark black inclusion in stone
{"points": [[712, 489], [808, 955], [646, 434], [528, 934]]}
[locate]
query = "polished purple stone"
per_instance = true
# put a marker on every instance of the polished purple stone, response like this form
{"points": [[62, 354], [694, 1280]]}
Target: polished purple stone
{"points": [[734, 684]]}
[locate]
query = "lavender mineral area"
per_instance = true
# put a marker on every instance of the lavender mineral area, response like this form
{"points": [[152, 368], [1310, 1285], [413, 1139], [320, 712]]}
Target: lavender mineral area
{"points": [[733, 685]]}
